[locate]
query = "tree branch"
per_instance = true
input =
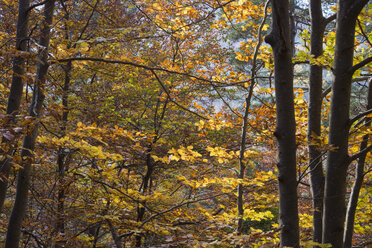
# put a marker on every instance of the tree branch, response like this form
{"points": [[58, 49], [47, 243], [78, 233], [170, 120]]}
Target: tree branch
{"points": [[37, 5], [360, 65], [170, 97], [37, 239], [360, 116], [88, 21], [114, 234], [110, 61], [178, 206], [118, 190], [363, 33], [224, 101], [357, 6], [361, 153], [326, 91], [329, 19]]}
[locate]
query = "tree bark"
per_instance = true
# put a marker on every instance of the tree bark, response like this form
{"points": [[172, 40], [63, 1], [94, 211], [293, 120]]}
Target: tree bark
{"points": [[280, 40], [62, 155], [353, 201], [338, 158], [145, 191], [19, 208], [242, 166], [62, 160], [314, 117], [16, 89], [114, 235]]}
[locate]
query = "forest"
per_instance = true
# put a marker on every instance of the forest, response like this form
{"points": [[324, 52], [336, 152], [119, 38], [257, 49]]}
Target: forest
{"points": [[185, 123]]}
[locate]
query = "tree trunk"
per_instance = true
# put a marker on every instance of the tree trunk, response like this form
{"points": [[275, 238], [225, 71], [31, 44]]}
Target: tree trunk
{"points": [[16, 89], [240, 202], [280, 40], [145, 190], [242, 166], [353, 202], [338, 158], [19, 208], [314, 117], [62, 161]]}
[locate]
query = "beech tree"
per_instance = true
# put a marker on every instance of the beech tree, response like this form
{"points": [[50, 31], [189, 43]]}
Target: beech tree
{"points": [[318, 25], [15, 94], [20, 204], [359, 177], [280, 40], [338, 158]]}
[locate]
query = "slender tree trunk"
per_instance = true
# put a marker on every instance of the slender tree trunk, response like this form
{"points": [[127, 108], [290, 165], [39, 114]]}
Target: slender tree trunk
{"points": [[114, 235], [62, 155], [147, 181], [338, 158], [19, 208], [16, 89], [314, 117], [280, 40], [62, 161], [145, 190], [353, 201], [241, 159], [245, 124]]}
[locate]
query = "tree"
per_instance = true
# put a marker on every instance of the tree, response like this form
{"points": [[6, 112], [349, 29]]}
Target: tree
{"points": [[20, 204], [338, 158], [15, 95], [280, 40], [318, 25], [360, 174]]}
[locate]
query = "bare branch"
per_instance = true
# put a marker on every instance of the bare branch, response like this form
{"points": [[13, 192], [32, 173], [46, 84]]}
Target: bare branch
{"points": [[170, 97], [114, 234], [329, 19], [49, 131], [357, 6], [361, 153], [359, 79], [37, 239], [360, 65], [224, 101], [326, 91], [37, 5], [363, 33], [360, 116], [118, 190], [122, 62], [178, 206], [88, 21]]}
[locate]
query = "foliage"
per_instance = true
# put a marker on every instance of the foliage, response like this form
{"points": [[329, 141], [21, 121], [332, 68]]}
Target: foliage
{"points": [[150, 146]]}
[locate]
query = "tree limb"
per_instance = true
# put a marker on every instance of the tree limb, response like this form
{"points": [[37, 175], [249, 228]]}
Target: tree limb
{"points": [[357, 6], [114, 234], [362, 152], [360, 116], [329, 19], [360, 65], [363, 33], [178, 206], [122, 62], [170, 98], [37, 5], [326, 91]]}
